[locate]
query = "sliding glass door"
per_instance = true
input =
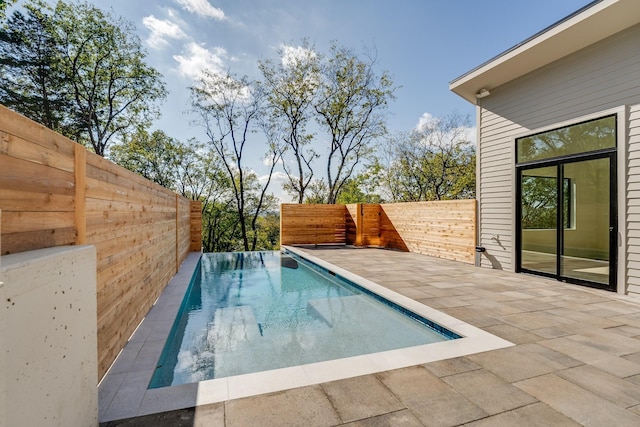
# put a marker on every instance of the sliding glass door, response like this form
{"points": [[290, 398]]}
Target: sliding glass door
{"points": [[586, 251], [539, 219], [566, 204]]}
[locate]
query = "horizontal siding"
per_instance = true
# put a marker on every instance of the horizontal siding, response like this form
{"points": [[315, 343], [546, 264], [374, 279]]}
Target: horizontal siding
{"points": [[603, 76], [496, 156], [633, 201]]}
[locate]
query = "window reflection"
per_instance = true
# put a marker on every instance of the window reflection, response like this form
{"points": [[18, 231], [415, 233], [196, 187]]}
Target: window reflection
{"points": [[581, 138]]}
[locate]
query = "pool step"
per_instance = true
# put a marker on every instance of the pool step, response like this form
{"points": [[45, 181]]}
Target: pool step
{"points": [[331, 310], [232, 326]]}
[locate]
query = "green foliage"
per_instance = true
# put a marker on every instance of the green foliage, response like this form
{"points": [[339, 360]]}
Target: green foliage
{"points": [[363, 188], [192, 169], [318, 192], [436, 162], [342, 95], [231, 109], [351, 101], [3, 7], [103, 59], [540, 202], [291, 85], [31, 78], [155, 156], [78, 70]]}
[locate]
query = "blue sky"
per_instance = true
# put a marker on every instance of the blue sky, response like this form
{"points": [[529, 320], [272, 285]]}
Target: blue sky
{"points": [[423, 44]]}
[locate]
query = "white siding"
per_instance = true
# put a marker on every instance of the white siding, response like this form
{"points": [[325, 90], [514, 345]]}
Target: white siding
{"points": [[601, 77], [633, 201]]}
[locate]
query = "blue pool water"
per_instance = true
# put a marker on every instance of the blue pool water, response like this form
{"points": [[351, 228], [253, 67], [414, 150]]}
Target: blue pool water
{"points": [[256, 311]]}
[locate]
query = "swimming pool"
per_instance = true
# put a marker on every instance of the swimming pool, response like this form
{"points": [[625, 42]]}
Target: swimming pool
{"points": [[258, 311], [124, 392]]}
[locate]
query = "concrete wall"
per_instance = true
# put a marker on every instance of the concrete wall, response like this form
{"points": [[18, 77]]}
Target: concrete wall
{"points": [[48, 331]]}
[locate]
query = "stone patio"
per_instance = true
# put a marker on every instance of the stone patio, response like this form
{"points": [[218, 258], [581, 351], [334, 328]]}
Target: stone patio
{"points": [[576, 359]]}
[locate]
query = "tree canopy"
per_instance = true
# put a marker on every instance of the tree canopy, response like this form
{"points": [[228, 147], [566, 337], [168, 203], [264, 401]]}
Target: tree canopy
{"points": [[330, 106], [433, 162], [230, 110], [78, 70]]}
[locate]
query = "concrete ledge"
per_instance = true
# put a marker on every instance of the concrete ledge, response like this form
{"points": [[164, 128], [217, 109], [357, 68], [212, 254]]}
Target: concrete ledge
{"points": [[48, 326]]}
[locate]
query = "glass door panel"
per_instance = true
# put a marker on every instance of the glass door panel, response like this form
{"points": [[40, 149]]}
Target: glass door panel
{"points": [[539, 219], [586, 220]]}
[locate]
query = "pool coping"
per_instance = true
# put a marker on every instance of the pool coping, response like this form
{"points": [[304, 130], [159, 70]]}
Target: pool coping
{"points": [[123, 391]]}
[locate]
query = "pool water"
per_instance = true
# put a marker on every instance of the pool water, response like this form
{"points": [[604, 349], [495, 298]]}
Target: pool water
{"points": [[257, 311]]}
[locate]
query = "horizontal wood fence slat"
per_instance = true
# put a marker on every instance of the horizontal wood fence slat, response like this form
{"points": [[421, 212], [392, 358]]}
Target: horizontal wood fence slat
{"points": [[53, 193], [444, 229], [313, 224]]}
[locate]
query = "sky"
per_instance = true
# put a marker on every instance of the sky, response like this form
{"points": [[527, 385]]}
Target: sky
{"points": [[423, 44]]}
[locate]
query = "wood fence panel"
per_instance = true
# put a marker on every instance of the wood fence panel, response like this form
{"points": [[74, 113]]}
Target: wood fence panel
{"points": [[37, 186], [351, 227], [53, 192], [371, 225], [196, 226], [444, 229], [312, 224], [133, 267], [184, 229]]}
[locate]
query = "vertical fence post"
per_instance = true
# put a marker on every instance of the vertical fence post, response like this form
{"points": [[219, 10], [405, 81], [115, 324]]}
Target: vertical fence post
{"points": [[282, 242], [359, 224], [80, 170], [177, 234]]}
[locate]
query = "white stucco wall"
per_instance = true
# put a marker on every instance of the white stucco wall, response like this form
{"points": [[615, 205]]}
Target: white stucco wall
{"points": [[48, 338]]}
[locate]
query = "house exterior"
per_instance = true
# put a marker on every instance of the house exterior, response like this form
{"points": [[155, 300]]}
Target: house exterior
{"points": [[558, 119]]}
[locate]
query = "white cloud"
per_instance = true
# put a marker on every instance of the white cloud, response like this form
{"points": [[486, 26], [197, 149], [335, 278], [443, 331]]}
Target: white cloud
{"points": [[275, 186], [268, 160], [198, 58], [161, 30], [277, 176], [470, 134], [292, 55], [202, 8], [467, 133], [424, 121]]}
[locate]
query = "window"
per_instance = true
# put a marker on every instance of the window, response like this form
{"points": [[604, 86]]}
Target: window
{"points": [[581, 138]]}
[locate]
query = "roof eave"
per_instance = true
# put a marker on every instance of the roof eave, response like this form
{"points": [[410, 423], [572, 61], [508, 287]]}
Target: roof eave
{"points": [[596, 21]]}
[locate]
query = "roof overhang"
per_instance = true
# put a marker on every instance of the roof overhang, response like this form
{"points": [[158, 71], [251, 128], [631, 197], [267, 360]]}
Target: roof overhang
{"points": [[596, 21]]}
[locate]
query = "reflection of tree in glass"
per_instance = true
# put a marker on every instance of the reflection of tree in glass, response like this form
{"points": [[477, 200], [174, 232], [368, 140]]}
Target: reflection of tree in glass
{"points": [[590, 136], [539, 202]]}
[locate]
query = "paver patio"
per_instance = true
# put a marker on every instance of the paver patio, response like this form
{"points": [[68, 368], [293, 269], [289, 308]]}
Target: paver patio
{"points": [[576, 360]]}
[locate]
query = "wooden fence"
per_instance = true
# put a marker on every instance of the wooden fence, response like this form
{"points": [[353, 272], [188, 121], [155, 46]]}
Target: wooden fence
{"points": [[312, 224], [444, 229], [53, 192]]}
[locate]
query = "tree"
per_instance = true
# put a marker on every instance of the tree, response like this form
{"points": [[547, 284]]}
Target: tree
{"points": [[113, 90], [291, 85], [363, 187], [155, 156], [79, 71], [3, 7], [434, 162], [230, 109], [350, 106], [190, 169], [31, 79]]}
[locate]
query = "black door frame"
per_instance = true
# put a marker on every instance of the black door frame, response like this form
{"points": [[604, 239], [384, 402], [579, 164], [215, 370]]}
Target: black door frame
{"points": [[558, 162]]}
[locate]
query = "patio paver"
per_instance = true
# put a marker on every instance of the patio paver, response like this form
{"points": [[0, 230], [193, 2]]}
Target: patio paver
{"points": [[576, 359]]}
